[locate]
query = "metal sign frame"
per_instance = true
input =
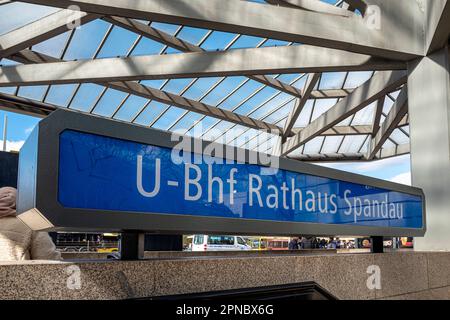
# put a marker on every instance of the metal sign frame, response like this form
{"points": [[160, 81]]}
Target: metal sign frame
{"points": [[38, 204]]}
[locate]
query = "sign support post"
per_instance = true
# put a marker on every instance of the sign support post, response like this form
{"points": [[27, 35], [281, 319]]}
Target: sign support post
{"points": [[377, 245], [132, 245]]}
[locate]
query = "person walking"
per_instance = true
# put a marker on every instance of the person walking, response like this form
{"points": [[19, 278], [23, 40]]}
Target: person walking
{"points": [[306, 243], [294, 244], [17, 241], [332, 244]]}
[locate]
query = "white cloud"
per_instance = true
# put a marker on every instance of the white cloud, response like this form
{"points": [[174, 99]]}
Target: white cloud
{"points": [[12, 145], [370, 166], [403, 178], [381, 164], [28, 130]]}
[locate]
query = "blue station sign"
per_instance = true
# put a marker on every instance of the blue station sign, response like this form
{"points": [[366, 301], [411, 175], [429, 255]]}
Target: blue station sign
{"points": [[103, 173], [128, 177]]}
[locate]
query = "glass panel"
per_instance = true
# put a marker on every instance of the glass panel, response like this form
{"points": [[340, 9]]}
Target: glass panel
{"points": [[275, 43], [177, 85], [240, 95], [6, 62], [257, 100], [166, 27], [406, 129], [331, 144], [289, 78], [22, 13], [281, 113], [351, 144], [277, 101], [150, 113], [118, 43], [313, 146], [33, 92], [357, 78], [346, 122], [200, 87], [192, 35], [243, 140], [321, 106], [305, 116], [200, 128], [389, 144], [54, 46], [218, 130], [399, 137], [218, 40], [365, 147], [157, 84], [222, 90], [300, 83], [86, 96], [332, 80], [167, 118], [388, 103], [86, 40], [186, 122], [60, 94], [147, 47], [365, 116], [8, 90], [109, 102], [245, 41], [130, 108]]}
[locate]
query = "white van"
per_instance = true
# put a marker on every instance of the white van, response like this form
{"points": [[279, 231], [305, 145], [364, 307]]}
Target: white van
{"points": [[218, 243]]}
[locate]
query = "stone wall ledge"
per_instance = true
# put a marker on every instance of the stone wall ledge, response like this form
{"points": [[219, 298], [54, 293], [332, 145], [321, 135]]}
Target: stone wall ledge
{"points": [[404, 275]]}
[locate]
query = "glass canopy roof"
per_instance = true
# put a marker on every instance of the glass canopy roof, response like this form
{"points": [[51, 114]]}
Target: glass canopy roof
{"points": [[100, 39]]}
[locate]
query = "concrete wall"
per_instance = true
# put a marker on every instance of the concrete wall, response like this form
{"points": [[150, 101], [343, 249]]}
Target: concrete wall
{"points": [[190, 254], [409, 275]]}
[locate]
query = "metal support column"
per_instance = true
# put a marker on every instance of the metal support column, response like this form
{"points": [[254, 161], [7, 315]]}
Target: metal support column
{"points": [[429, 113]]}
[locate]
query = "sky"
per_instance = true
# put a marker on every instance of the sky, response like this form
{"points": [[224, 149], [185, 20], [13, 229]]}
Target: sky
{"points": [[87, 39]]}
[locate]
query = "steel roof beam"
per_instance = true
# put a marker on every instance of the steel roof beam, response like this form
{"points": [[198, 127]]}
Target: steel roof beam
{"points": [[273, 60], [395, 115], [377, 116], [311, 82], [384, 153], [356, 130], [395, 38], [398, 150], [152, 33], [185, 46], [192, 105], [359, 5], [26, 106], [370, 91], [312, 5], [438, 12], [137, 89]]}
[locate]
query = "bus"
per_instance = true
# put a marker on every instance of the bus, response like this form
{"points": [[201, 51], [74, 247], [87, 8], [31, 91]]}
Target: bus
{"points": [[269, 243], [87, 242]]}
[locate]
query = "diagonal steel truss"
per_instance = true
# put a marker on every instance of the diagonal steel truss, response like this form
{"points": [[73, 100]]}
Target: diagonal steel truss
{"points": [[298, 44]]}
